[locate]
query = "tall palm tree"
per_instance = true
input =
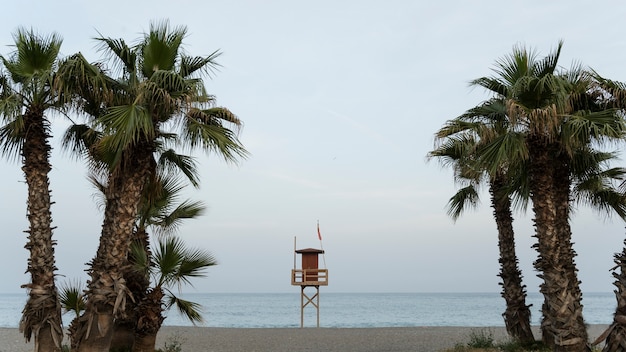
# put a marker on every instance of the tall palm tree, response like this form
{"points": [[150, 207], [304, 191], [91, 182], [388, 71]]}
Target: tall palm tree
{"points": [[615, 336], [26, 96], [172, 265], [460, 140], [159, 101], [558, 112], [161, 211]]}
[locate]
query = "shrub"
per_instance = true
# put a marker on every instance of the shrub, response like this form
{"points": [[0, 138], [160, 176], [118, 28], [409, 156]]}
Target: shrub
{"points": [[481, 339], [172, 344]]}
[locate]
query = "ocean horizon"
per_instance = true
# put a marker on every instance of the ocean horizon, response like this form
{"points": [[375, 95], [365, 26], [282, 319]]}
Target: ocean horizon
{"points": [[347, 310]]}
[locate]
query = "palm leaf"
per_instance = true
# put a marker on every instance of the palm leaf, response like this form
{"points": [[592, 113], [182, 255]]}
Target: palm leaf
{"points": [[140, 258], [71, 297], [188, 309], [212, 137], [464, 198], [167, 224], [167, 259], [118, 50], [35, 55], [171, 162], [160, 48], [189, 65], [126, 125], [12, 138], [193, 264], [84, 85]]}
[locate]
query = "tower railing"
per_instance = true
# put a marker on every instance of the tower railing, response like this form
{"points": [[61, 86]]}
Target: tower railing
{"points": [[309, 277]]}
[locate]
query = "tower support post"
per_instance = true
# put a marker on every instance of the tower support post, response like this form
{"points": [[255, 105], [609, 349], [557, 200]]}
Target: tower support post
{"points": [[305, 300]]}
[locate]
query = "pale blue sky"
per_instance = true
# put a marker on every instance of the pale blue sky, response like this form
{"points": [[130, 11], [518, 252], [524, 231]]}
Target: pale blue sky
{"points": [[340, 101]]}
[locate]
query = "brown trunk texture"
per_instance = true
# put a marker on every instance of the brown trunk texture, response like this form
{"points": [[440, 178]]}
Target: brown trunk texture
{"points": [[145, 343], [150, 320], [138, 283], [123, 336], [107, 291], [41, 316], [572, 318], [615, 336], [517, 312], [562, 326]]}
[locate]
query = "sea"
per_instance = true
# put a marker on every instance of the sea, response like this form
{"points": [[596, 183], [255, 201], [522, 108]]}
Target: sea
{"points": [[347, 310]]}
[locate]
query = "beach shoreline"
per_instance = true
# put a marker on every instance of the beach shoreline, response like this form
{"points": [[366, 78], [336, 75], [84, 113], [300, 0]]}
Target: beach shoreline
{"points": [[389, 339]]}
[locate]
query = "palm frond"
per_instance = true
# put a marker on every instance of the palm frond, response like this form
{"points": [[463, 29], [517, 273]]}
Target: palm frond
{"points": [[201, 131], [118, 50], [207, 64], [169, 223], [84, 85], [194, 264], [35, 55], [167, 258], [126, 125], [80, 140], [98, 181], [12, 138], [160, 47], [549, 63], [11, 100], [190, 310], [171, 162], [140, 258], [463, 199], [176, 263], [71, 297]]}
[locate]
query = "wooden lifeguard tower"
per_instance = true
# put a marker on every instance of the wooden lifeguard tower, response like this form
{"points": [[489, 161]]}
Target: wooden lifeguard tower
{"points": [[310, 275]]}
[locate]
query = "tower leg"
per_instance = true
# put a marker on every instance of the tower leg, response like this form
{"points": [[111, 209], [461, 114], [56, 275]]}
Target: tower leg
{"points": [[317, 306], [313, 300], [302, 294]]}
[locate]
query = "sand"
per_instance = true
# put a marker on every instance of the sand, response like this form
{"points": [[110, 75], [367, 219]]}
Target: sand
{"points": [[196, 339]]}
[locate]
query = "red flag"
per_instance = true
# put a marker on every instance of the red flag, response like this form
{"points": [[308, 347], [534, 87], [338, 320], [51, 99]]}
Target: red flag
{"points": [[319, 235]]}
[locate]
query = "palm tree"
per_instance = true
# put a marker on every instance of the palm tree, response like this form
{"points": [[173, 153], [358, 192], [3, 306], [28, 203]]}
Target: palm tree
{"points": [[615, 336], [559, 112], [486, 128], [161, 211], [172, 265], [460, 139], [26, 96], [158, 101]]}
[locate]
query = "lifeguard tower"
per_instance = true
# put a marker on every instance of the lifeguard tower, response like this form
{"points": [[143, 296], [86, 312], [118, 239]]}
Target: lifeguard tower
{"points": [[310, 275]]}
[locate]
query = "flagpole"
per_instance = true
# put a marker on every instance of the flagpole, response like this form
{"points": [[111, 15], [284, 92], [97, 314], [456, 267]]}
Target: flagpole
{"points": [[294, 252], [319, 235]]}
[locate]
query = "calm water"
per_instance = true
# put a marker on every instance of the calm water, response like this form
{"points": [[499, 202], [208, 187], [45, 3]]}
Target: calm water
{"points": [[349, 309]]}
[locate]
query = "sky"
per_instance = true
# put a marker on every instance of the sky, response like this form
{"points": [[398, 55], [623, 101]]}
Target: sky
{"points": [[340, 101]]}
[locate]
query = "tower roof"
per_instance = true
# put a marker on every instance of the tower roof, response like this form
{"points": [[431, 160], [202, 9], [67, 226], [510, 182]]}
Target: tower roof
{"points": [[310, 250]]}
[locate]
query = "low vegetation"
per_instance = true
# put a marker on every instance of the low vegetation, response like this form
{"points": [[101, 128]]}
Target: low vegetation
{"points": [[483, 341]]}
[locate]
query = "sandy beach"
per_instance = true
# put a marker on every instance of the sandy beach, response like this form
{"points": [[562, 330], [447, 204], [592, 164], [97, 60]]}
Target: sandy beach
{"points": [[197, 339]]}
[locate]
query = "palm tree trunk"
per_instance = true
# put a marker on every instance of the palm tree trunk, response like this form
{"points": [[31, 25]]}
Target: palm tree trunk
{"points": [[145, 343], [573, 322], [615, 336], [150, 321], [41, 316], [561, 326], [107, 291], [517, 313], [123, 335], [138, 284]]}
